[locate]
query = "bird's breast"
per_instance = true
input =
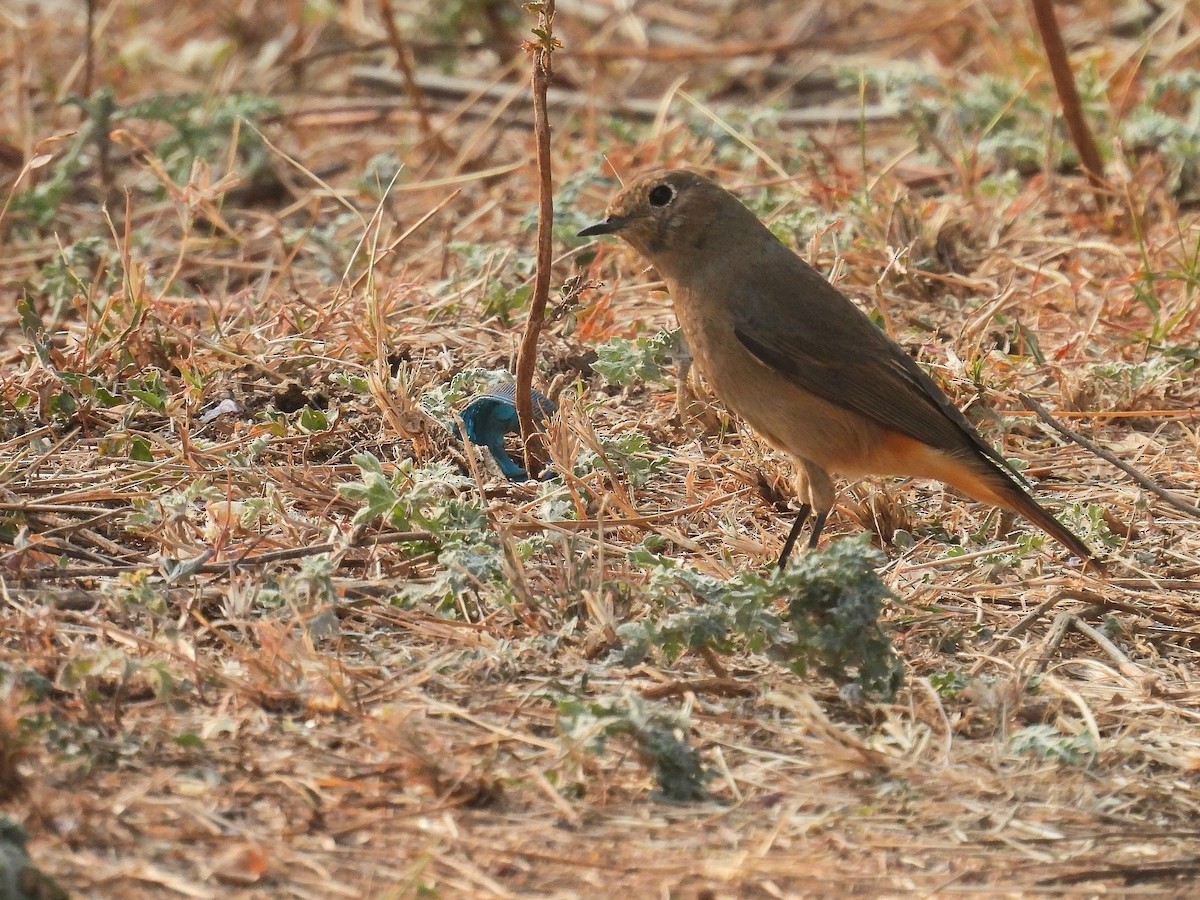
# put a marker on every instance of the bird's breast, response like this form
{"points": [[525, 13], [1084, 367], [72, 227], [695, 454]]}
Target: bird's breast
{"points": [[789, 417]]}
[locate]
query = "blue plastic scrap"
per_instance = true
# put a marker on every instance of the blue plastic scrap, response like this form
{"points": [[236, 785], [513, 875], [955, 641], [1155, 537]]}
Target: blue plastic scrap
{"points": [[491, 416]]}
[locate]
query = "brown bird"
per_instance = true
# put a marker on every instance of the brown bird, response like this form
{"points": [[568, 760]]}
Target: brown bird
{"points": [[802, 364]]}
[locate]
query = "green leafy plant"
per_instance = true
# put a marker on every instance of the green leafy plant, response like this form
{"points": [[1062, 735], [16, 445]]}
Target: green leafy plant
{"points": [[949, 684], [830, 622], [659, 733], [426, 497], [380, 172], [313, 420], [408, 498], [1087, 520], [835, 600], [104, 669], [626, 362], [506, 276], [1134, 380], [1046, 742], [502, 301], [151, 513], [998, 118], [70, 273], [630, 452], [442, 400], [150, 389], [202, 126], [458, 21], [1168, 120], [571, 213]]}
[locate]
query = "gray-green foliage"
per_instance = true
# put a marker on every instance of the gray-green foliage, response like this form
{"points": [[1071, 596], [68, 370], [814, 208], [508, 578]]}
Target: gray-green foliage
{"points": [[624, 362], [1088, 522], [1171, 128], [456, 22], [506, 276], [738, 132], [1006, 121], [411, 496], [1133, 380], [20, 879], [830, 622], [152, 513], [70, 273], [949, 684], [380, 173], [571, 213], [1046, 742], [1001, 120], [200, 126], [441, 400], [629, 452], [659, 731], [834, 601], [428, 498]]}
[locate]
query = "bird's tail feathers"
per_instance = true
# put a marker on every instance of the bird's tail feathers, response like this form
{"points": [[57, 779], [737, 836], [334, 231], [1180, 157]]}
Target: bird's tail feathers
{"points": [[997, 487]]}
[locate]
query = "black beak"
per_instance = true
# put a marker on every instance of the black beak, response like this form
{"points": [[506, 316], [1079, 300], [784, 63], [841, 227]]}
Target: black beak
{"points": [[611, 225]]}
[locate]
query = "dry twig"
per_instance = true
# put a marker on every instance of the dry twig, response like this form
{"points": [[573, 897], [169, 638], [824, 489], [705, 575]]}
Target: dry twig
{"points": [[1068, 94], [1106, 455], [542, 50]]}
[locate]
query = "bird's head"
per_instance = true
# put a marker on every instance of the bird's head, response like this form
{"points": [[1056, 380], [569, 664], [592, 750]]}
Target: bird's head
{"points": [[668, 216]]}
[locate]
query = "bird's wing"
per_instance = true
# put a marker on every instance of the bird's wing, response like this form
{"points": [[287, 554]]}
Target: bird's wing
{"points": [[827, 346]]}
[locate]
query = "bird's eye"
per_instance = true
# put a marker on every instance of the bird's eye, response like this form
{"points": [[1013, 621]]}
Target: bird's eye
{"points": [[661, 195]]}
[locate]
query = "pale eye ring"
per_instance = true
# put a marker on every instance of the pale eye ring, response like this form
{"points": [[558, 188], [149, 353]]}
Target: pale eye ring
{"points": [[661, 195]]}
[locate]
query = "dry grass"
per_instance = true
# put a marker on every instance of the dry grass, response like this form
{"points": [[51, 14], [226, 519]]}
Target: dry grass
{"points": [[198, 701]]}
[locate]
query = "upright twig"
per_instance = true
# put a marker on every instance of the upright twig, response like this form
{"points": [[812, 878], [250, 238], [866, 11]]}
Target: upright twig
{"points": [[404, 63], [1068, 95], [542, 50], [89, 50]]}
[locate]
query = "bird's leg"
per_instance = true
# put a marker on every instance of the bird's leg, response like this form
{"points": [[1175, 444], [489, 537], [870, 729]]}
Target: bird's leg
{"points": [[805, 509], [684, 361], [818, 525]]}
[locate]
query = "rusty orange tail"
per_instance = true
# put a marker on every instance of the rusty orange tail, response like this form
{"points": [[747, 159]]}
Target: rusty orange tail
{"points": [[979, 477], [995, 486]]}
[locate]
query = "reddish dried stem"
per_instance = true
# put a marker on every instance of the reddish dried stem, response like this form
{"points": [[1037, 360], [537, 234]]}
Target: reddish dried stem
{"points": [[527, 355], [404, 63], [1068, 95]]}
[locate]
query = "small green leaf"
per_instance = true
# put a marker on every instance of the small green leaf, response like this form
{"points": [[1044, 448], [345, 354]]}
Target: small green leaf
{"points": [[151, 391], [313, 420], [139, 449], [63, 406], [189, 741]]}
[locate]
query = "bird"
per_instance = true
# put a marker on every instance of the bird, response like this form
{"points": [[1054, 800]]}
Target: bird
{"points": [[803, 365]]}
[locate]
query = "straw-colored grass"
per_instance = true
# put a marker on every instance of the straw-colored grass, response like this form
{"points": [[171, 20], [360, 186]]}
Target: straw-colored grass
{"points": [[214, 683]]}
